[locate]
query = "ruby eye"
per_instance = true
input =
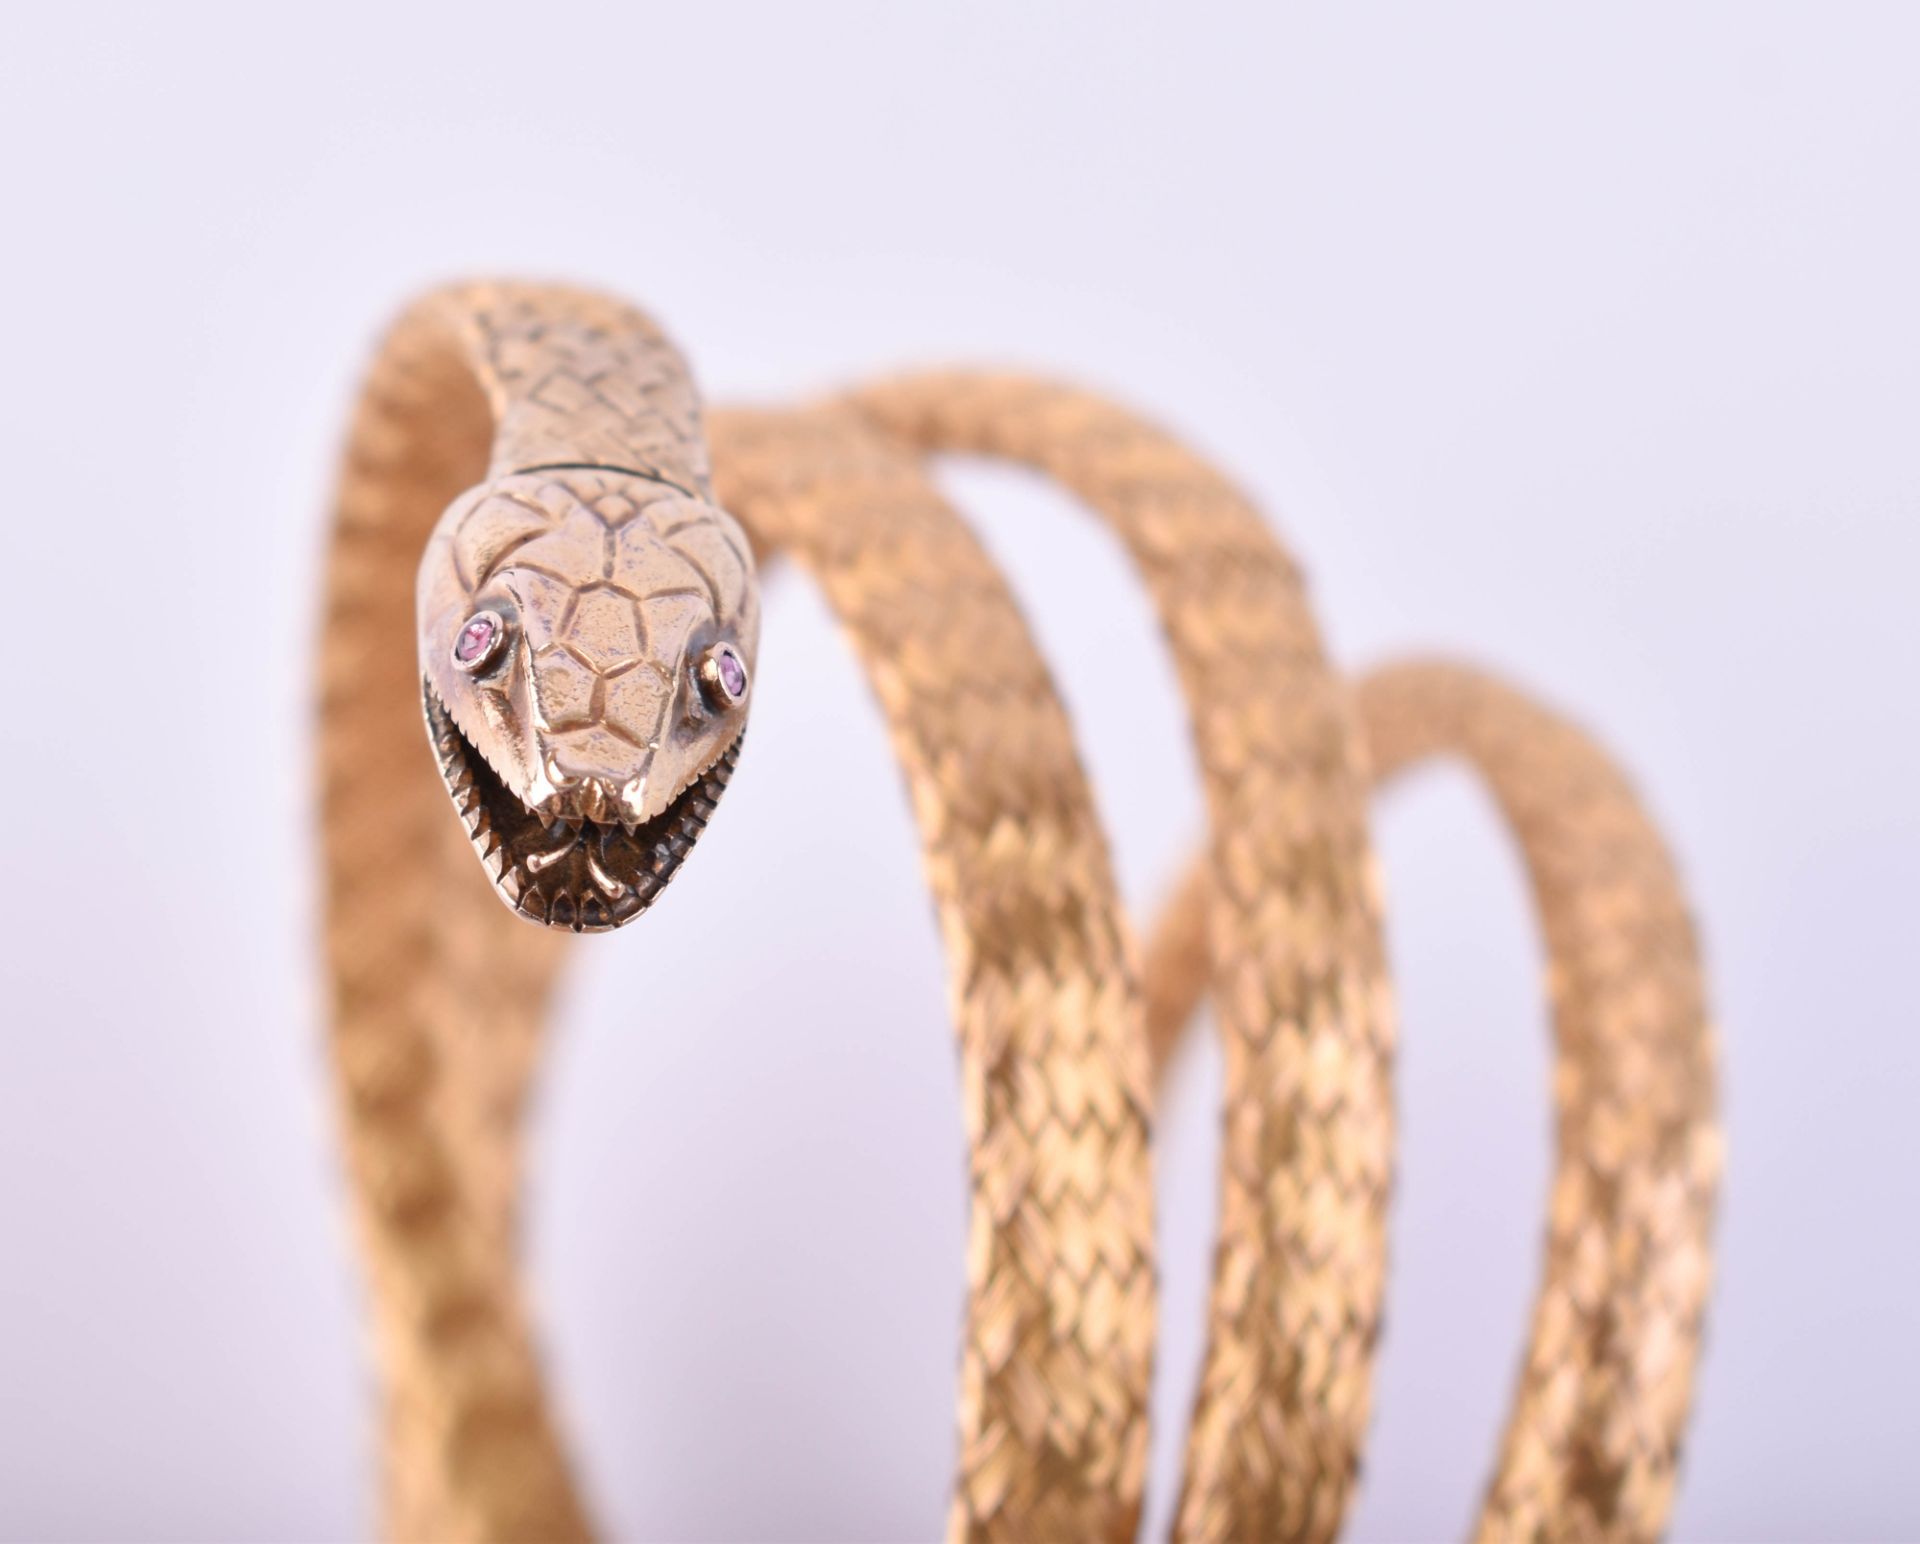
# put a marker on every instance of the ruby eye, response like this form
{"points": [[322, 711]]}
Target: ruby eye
{"points": [[477, 644], [723, 676]]}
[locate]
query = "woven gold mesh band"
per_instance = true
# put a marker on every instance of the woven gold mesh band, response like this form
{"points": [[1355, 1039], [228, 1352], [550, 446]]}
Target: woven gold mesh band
{"points": [[438, 994], [1593, 1437]]}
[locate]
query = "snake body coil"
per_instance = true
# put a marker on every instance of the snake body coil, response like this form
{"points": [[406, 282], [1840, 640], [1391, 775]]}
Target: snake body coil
{"points": [[582, 633]]}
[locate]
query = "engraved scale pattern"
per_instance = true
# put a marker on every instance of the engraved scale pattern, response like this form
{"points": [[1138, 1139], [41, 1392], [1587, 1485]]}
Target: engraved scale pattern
{"points": [[437, 992], [611, 575], [590, 426]]}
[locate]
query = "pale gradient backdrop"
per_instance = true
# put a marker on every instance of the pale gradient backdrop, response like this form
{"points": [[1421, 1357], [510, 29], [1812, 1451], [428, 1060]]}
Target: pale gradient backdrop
{"points": [[1588, 348]]}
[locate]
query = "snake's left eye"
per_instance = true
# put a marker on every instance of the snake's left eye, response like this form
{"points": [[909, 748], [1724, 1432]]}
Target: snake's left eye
{"points": [[477, 644], [723, 676]]}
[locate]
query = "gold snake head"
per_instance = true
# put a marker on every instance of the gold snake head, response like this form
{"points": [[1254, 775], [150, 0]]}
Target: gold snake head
{"points": [[587, 640]]}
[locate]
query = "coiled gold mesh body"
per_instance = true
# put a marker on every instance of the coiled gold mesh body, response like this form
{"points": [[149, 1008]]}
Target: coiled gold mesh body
{"points": [[1592, 1440], [438, 994]]}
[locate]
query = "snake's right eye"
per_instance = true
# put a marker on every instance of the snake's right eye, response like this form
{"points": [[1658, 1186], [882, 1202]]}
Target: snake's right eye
{"points": [[477, 644]]}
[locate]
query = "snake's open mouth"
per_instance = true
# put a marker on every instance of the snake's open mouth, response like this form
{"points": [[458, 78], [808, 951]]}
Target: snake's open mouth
{"points": [[586, 875]]}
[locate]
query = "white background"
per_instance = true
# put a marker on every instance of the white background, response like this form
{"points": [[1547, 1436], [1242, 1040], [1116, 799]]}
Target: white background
{"points": [[1587, 348]]}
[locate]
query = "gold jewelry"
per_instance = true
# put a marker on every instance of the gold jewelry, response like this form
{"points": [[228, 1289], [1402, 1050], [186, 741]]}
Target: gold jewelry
{"points": [[583, 642]]}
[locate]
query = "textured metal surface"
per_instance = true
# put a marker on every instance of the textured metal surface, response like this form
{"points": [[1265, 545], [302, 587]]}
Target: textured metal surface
{"points": [[438, 993], [570, 745], [594, 549], [1059, 1322], [1298, 979], [1592, 1441], [1593, 1438]]}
